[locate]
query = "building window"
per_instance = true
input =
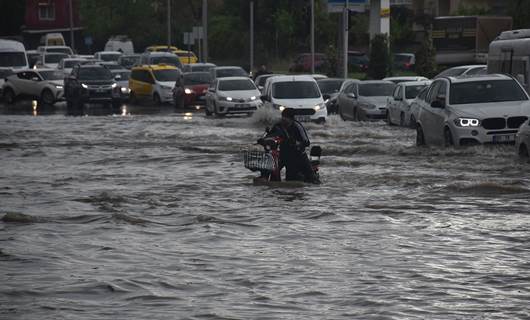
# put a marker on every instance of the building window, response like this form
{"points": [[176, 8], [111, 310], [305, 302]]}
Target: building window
{"points": [[46, 10]]}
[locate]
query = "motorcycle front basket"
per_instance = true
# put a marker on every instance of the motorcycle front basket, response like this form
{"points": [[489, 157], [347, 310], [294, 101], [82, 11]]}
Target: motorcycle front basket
{"points": [[258, 160]]}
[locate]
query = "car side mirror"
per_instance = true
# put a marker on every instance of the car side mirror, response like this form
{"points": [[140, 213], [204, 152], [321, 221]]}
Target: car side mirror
{"points": [[351, 95], [438, 104], [326, 97]]}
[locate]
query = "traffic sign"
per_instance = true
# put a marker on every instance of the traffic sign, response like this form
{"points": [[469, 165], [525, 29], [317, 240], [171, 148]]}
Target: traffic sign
{"points": [[353, 5]]}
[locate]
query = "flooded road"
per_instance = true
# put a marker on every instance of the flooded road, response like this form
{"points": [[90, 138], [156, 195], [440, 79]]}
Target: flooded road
{"points": [[150, 214]]}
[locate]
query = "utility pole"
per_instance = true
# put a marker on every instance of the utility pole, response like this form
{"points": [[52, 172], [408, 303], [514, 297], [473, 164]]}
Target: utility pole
{"points": [[168, 23], [71, 11], [251, 36], [345, 46], [313, 36], [205, 30]]}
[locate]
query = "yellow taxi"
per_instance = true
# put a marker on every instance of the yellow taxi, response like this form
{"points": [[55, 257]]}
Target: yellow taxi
{"points": [[162, 49], [153, 82], [186, 57]]}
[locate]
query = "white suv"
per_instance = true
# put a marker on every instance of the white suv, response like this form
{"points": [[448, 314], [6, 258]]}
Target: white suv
{"points": [[46, 85], [482, 109], [299, 92]]}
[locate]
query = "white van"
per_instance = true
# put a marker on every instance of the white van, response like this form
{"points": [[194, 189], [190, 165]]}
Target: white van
{"points": [[300, 92], [52, 39], [13, 55], [119, 43]]}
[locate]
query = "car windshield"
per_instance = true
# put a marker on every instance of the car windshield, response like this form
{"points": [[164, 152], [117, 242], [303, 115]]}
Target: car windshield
{"points": [[235, 72], [109, 56], [5, 73], [486, 91], [330, 86], [196, 78], [54, 57], [235, 85], [129, 61], [52, 75], [72, 63], [59, 50], [412, 92], [402, 58], [12, 59], [376, 89], [170, 60], [94, 73], [165, 75], [295, 90]]}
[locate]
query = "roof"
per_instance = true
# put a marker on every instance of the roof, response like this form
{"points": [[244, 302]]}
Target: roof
{"points": [[469, 66], [154, 67], [227, 67], [234, 78], [159, 54], [412, 78], [376, 81], [109, 52], [479, 77], [287, 78], [414, 83]]}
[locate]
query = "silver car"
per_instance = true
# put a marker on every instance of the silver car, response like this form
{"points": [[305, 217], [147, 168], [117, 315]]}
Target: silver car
{"points": [[484, 109], [46, 85], [365, 100], [399, 104], [232, 95]]}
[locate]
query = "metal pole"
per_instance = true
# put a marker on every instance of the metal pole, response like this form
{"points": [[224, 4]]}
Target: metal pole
{"points": [[312, 36], [205, 30], [345, 46], [251, 36], [72, 44], [168, 23]]}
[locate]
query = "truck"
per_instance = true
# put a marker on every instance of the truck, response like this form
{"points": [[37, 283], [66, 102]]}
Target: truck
{"points": [[509, 53], [460, 40]]}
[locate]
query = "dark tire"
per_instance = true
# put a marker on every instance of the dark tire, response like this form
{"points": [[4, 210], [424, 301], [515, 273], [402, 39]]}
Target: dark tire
{"points": [[157, 100], [523, 152], [412, 123], [448, 138], [47, 97], [216, 112], [9, 96], [420, 138], [402, 119], [388, 120], [207, 111], [132, 98]]}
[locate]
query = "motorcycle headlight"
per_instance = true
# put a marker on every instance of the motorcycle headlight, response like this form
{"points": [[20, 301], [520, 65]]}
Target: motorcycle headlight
{"points": [[84, 86], [467, 122], [188, 91]]}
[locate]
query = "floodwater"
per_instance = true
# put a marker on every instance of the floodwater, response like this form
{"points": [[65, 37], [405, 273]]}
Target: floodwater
{"points": [[150, 214]]}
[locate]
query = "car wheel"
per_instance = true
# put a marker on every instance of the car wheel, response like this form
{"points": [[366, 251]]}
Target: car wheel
{"points": [[388, 120], [179, 102], [47, 97], [448, 138], [412, 123], [206, 110], [402, 119], [420, 138], [132, 98], [355, 115], [523, 152], [156, 99], [9, 96]]}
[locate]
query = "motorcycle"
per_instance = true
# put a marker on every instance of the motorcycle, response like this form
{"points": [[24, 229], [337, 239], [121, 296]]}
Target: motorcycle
{"points": [[266, 159]]}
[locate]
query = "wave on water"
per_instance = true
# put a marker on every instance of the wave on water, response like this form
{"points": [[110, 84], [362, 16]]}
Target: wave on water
{"points": [[265, 116], [488, 188], [14, 217]]}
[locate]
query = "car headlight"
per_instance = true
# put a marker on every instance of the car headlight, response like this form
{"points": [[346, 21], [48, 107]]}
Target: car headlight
{"points": [[59, 87], [227, 98], [84, 86], [467, 122], [278, 107], [114, 85], [125, 90], [188, 91], [320, 106], [252, 98]]}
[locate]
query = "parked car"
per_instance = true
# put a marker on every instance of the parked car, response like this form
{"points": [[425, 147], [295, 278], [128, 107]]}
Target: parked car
{"points": [[192, 89], [153, 82], [398, 105], [129, 60], [91, 83], [260, 80], [121, 76], [4, 73], [227, 71], [469, 70], [45, 85], [198, 67], [162, 58], [299, 92], [415, 107], [330, 90], [357, 61], [405, 79], [302, 63], [108, 55], [404, 61], [232, 95], [483, 109], [365, 100], [66, 64], [50, 60], [522, 140]]}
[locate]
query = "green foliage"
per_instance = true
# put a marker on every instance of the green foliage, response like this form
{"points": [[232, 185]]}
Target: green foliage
{"points": [[472, 10], [332, 63], [379, 64], [426, 58], [520, 11]]}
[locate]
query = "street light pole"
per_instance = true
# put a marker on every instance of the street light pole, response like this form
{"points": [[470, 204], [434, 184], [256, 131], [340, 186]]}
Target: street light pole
{"points": [[168, 23], [251, 36], [205, 30], [345, 44], [72, 44], [313, 36]]}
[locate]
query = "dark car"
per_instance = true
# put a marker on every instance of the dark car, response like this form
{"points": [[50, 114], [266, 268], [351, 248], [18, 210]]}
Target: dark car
{"points": [[91, 83], [302, 63], [357, 61], [404, 61], [330, 90], [129, 60]]}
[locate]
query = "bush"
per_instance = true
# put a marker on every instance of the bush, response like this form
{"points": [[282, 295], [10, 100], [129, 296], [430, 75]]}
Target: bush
{"points": [[379, 64]]}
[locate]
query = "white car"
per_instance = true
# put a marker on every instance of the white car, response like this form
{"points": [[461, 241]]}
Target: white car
{"points": [[300, 92], [468, 70], [4, 73], [485, 109], [398, 105], [405, 79], [50, 60], [46, 85], [232, 95], [66, 64], [57, 49], [415, 107], [364, 100]]}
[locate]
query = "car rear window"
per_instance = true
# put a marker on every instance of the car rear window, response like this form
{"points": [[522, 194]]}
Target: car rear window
{"points": [[236, 72], [170, 60], [234, 85], [486, 91], [376, 89], [197, 78], [166, 75], [295, 90], [52, 75], [412, 92]]}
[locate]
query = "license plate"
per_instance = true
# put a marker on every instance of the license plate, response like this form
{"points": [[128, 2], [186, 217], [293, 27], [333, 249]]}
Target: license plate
{"points": [[243, 105], [100, 90], [302, 118], [504, 138]]}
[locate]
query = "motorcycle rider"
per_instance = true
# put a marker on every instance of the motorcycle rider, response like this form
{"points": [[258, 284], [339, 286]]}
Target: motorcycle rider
{"points": [[292, 149]]}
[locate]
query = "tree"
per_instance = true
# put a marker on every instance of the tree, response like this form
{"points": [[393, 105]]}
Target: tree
{"points": [[379, 64], [425, 57]]}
